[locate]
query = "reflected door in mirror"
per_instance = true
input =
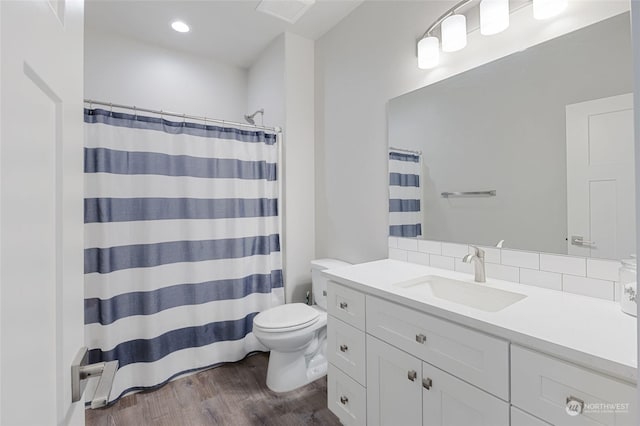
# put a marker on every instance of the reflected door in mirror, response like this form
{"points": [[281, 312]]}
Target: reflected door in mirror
{"points": [[600, 178]]}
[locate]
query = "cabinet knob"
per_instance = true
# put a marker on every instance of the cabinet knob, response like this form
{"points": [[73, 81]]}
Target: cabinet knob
{"points": [[412, 375], [427, 383], [574, 406], [343, 305], [421, 338], [344, 400], [344, 348]]}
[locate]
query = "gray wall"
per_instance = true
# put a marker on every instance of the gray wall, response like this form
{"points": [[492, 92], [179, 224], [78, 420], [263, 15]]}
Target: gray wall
{"points": [[502, 126], [281, 82], [126, 71], [367, 59]]}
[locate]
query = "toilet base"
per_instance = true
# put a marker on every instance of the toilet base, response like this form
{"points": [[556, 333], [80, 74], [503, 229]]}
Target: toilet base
{"points": [[290, 370]]}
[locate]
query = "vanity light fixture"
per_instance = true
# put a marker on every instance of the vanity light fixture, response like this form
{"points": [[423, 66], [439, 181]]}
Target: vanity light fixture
{"points": [[180, 27], [452, 39], [544, 9], [428, 52], [454, 33], [494, 18]]}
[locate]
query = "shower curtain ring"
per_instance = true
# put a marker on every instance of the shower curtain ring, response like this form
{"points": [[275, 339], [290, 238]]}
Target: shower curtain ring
{"points": [[135, 113], [184, 119], [110, 109]]}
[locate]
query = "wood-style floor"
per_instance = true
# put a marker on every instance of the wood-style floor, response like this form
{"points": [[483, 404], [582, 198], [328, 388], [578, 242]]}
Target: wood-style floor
{"points": [[233, 394]]}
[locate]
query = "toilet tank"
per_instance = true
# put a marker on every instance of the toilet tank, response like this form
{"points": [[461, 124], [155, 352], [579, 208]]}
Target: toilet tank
{"points": [[319, 282]]}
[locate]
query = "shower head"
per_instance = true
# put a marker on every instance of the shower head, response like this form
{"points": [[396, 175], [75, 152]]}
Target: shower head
{"points": [[250, 118]]}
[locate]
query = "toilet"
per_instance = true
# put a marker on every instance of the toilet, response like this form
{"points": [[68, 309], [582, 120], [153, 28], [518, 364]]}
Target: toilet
{"points": [[296, 335]]}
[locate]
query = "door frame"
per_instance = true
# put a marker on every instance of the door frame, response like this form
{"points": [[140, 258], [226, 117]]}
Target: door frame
{"points": [[635, 45]]}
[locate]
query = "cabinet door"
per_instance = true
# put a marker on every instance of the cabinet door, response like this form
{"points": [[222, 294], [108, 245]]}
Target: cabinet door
{"points": [[475, 357], [448, 401], [394, 395], [520, 418]]}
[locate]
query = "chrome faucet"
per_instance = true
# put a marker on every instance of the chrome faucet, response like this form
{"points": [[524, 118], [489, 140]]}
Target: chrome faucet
{"points": [[477, 258]]}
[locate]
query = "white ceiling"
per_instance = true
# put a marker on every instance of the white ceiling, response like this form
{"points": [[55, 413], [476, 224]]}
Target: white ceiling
{"points": [[231, 31]]}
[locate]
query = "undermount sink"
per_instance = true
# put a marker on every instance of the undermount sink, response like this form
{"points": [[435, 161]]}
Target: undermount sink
{"points": [[478, 296]]}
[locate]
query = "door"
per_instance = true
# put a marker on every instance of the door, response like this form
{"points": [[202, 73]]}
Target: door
{"points": [[448, 401], [600, 178], [41, 208], [394, 394]]}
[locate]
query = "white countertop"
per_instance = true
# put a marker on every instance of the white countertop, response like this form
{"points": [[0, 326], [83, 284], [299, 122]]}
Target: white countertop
{"points": [[580, 329]]}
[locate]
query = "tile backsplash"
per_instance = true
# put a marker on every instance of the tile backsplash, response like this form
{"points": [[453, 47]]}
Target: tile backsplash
{"points": [[589, 277]]}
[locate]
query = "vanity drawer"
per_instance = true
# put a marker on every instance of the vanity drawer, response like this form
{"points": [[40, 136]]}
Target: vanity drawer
{"points": [[520, 418], [346, 304], [544, 386], [346, 348], [346, 398], [472, 356]]}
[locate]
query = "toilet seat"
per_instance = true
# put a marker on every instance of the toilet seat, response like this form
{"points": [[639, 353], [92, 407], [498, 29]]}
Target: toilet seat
{"points": [[288, 317]]}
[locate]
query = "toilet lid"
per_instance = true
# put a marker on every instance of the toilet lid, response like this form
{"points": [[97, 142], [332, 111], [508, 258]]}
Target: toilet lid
{"points": [[286, 316]]}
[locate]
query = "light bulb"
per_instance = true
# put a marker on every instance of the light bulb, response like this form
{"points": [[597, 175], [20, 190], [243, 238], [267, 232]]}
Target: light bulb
{"points": [[454, 33], [428, 52], [494, 16]]}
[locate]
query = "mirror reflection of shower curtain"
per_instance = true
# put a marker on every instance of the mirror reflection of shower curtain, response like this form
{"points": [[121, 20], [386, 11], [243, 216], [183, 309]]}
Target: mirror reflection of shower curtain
{"points": [[405, 212], [182, 241]]}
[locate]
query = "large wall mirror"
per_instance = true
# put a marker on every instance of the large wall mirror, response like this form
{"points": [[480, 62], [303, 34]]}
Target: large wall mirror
{"points": [[549, 129]]}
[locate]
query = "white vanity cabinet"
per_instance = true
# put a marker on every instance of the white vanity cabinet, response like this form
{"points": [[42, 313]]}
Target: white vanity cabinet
{"points": [[346, 398], [520, 418], [447, 400], [475, 357], [392, 365], [380, 348], [545, 386], [394, 391], [346, 352], [403, 390]]}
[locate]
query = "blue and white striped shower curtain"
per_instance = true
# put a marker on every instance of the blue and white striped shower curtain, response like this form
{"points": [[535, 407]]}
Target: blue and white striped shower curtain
{"points": [[405, 215], [182, 244]]}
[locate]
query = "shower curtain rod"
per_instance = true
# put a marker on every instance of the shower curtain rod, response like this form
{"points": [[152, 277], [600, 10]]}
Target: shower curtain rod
{"points": [[405, 150], [183, 116]]}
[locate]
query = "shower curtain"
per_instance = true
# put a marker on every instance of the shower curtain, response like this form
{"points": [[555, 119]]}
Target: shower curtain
{"points": [[182, 244], [405, 216]]}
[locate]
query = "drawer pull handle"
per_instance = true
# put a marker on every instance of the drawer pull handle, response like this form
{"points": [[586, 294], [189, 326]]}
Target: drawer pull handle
{"points": [[421, 338], [575, 406], [412, 375], [344, 400], [343, 305], [427, 383], [344, 348]]}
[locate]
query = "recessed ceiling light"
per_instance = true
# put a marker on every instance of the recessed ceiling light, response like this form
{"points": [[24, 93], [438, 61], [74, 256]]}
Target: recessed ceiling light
{"points": [[180, 26]]}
